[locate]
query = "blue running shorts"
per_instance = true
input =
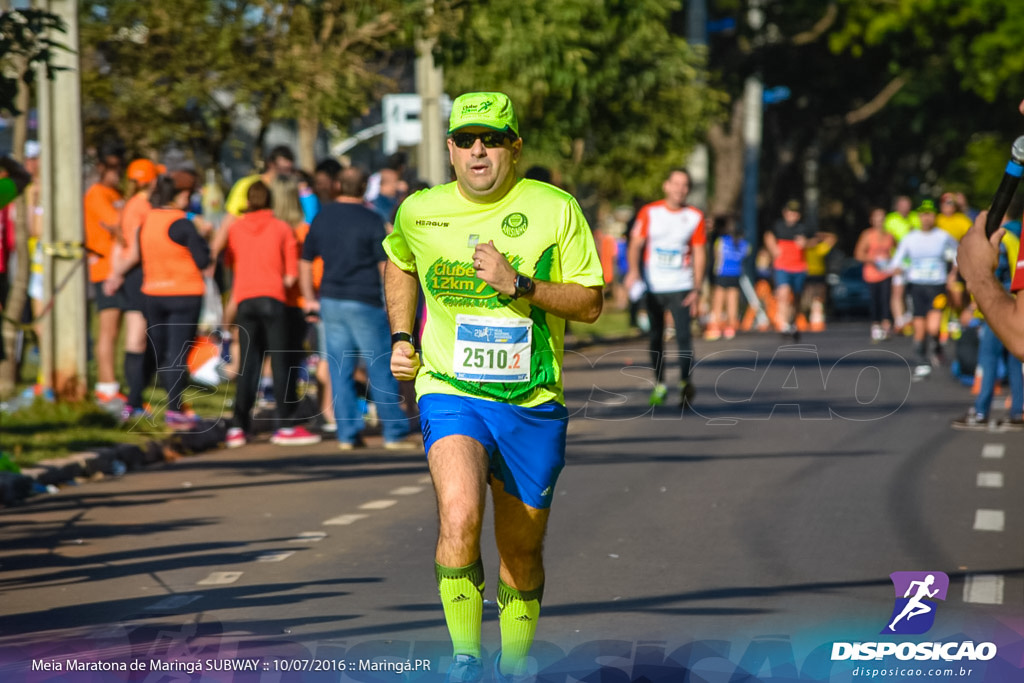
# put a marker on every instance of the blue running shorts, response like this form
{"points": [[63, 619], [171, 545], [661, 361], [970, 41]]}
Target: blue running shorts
{"points": [[525, 446]]}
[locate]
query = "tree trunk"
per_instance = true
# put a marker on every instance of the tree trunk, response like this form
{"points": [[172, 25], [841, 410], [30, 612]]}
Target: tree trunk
{"points": [[309, 126], [18, 296], [727, 148]]}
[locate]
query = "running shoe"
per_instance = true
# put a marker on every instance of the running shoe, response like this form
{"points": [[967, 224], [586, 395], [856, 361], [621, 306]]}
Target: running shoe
{"points": [[131, 414], [329, 428], [294, 436], [111, 403], [970, 421], [181, 419], [923, 370], [401, 446], [235, 438], [1014, 424], [508, 678], [658, 395], [465, 669], [730, 333], [687, 392]]}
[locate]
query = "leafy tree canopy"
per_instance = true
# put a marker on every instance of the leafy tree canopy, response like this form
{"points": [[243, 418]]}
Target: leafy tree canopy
{"points": [[605, 92]]}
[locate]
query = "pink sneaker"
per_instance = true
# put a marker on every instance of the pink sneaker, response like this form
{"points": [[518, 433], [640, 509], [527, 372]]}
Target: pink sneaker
{"points": [[235, 438], [294, 436]]}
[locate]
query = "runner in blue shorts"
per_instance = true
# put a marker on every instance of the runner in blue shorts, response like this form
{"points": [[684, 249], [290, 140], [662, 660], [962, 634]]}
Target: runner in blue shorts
{"points": [[503, 263]]}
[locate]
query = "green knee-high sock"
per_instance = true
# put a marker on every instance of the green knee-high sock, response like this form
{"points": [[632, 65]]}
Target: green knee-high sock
{"points": [[517, 615], [461, 590]]}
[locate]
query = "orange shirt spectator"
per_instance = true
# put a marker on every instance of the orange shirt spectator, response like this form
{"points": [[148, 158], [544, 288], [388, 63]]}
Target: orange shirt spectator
{"points": [[102, 220]]}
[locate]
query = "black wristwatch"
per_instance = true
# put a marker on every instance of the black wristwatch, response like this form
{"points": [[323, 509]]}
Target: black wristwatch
{"points": [[524, 286], [400, 337]]}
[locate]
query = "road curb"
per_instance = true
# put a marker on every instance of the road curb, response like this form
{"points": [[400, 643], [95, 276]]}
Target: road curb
{"points": [[113, 461]]}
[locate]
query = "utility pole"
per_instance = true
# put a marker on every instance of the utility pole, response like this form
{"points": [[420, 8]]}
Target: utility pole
{"points": [[433, 157], [753, 106], [698, 165], [60, 138]]}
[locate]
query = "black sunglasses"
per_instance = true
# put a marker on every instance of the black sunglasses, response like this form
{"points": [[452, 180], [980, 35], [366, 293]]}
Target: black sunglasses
{"points": [[490, 139]]}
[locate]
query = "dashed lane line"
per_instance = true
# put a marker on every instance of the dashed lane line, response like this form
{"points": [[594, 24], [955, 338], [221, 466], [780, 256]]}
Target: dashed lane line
{"points": [[989, 520], [984, 589], [405, 490], [990, 480], [309, 537], [275, 557], [220, 579], [993, 450], [378, 504], [344, 520]]}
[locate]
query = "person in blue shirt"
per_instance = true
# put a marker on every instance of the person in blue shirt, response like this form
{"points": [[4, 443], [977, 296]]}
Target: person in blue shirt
{"points": [[730, 249]]}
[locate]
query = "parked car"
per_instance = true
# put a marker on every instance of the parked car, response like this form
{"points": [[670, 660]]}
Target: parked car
{"points": [[848, 294]]}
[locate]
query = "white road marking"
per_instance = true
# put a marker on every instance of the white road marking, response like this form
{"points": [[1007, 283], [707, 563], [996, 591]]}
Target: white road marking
{"points": [[405, 490], [425, 480], [173, 602], [309, 537], [220, 578], [989, 520], [990, 480], [377, 504], [985, 589], [993, 450], [275, 557], [342, 520]]}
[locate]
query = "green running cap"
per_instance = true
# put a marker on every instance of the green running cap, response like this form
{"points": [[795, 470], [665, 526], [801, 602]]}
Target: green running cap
{"points": [[488, 109]]}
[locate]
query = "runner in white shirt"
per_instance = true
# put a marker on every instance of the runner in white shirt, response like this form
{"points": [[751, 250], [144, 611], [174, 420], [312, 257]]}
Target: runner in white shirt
{"points": [[670, 236], [927, 258]]}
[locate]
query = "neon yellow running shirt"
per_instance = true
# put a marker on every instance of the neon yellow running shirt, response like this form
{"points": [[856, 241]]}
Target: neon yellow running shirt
{"points": [[474, 340]]}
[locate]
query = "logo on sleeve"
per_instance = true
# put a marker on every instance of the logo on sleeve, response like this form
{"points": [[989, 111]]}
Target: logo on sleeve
{"points": [[514, 224]]}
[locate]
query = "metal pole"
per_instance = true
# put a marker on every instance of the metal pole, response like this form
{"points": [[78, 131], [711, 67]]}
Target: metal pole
{"points": [[698, 165], [62, 203], [753, 101], [432, 153], [44, 130]]}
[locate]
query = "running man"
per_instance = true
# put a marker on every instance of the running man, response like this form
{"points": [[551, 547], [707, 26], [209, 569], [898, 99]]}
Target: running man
{"points": [[671, 235], [926, 256], [915, 606], [503, 263]]}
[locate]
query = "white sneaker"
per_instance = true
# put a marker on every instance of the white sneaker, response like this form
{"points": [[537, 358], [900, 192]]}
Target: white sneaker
{"points": [[235, 438]]}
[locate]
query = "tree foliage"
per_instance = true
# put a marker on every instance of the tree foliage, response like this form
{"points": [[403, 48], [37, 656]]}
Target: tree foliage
{"points": [[605, 92], [25, 40], [160, 73], [324, 59], [887, 97]]}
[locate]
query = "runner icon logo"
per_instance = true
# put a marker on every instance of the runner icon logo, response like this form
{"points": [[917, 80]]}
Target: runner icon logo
{"points": [[914, 610]]}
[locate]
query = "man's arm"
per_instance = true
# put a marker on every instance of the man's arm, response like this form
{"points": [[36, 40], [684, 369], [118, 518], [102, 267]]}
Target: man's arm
{"points": [[978, 257], [566, 300], [633, 258], [310, 302], [401, 293]]}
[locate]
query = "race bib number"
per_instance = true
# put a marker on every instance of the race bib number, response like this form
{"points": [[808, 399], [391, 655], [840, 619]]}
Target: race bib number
{"points": [[668, 258], [931, 270], [492, 349]]}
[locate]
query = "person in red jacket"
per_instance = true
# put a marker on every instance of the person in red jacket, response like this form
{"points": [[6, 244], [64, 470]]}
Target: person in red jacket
{"points": [[263, 252]]}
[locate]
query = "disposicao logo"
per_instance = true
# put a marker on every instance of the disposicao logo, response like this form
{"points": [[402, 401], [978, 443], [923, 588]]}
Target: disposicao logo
{"points": [[914, 611], [913, 614]]}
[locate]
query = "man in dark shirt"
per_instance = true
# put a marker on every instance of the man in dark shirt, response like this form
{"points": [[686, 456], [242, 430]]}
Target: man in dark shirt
{"points": [[348, 237]]}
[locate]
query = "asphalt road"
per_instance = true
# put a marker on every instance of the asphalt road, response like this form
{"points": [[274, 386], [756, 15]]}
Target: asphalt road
{"points": [[739, 541]]}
